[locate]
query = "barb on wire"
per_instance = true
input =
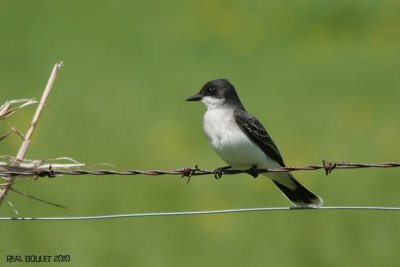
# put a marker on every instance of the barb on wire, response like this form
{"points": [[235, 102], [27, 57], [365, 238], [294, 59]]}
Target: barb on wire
{"points": [[328, 167]]}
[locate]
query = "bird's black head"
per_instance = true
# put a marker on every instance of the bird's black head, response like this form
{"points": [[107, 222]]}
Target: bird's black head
{"points": [[217, 92]]}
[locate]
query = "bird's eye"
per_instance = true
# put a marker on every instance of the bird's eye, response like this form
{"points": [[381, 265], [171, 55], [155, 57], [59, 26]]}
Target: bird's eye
{"points": [[210, 91]]}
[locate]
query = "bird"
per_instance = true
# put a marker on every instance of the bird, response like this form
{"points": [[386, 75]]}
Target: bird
{"points": [[243, 143]]}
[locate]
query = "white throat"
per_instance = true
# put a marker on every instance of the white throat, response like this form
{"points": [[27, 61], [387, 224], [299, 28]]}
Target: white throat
{"points": [[212, 103]]}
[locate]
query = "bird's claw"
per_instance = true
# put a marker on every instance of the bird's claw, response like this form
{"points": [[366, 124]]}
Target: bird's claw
{"points": [[253, 171], [218, 173]]}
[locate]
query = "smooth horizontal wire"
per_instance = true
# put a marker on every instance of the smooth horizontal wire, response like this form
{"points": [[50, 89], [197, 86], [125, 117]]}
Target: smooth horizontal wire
{"points": [[188, 213], [185, 172]]}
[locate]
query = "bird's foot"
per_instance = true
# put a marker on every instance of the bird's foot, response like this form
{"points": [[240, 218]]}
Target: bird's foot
{"points": [[219, 171], [253, 171]]}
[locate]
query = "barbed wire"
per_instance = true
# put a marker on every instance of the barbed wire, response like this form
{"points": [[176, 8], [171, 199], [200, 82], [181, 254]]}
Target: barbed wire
{"points": [[20, 171], [192, 213], [328, 167]]}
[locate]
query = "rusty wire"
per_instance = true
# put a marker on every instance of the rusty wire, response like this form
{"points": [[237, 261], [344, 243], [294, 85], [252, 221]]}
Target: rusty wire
{"points": [[328, 167]]}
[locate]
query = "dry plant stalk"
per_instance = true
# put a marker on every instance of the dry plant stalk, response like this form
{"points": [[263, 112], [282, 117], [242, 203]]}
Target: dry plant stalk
{"points": [[7, 110], [27, 138]]}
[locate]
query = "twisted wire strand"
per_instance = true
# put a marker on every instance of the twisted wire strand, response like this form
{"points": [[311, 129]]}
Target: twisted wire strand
{"points": [[8, 170]]}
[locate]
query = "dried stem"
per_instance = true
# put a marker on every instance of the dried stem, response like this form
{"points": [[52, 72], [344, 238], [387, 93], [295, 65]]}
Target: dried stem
{"points": [[27, 138]]}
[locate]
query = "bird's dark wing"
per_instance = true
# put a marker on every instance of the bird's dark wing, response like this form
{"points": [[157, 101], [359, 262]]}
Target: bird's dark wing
{"points": [[257, 133]]}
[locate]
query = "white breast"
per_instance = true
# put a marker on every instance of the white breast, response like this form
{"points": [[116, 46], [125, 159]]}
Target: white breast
{"points": [[231, 143]]}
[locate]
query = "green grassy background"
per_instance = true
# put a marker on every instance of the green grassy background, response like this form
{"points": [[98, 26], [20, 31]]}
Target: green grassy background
{"points": [[323, 77]]}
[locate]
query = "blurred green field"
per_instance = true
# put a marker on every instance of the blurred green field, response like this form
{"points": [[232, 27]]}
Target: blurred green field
{"points": [[323, 77]]}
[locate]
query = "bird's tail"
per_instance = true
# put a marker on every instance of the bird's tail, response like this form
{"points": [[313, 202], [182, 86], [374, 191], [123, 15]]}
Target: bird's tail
{"points": [[296, 192]]}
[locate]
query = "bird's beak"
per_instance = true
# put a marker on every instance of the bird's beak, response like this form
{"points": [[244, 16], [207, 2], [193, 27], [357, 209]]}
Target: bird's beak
{"points": [[196, 97]]}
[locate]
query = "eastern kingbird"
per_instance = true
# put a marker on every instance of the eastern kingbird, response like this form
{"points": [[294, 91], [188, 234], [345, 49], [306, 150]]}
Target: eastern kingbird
{"points": [[243, 143]]}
